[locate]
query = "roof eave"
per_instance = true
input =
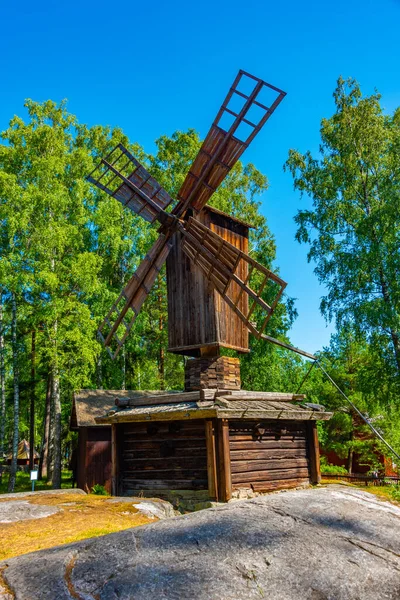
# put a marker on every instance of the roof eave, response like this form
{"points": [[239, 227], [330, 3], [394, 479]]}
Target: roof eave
{"points": [[128, 416]]}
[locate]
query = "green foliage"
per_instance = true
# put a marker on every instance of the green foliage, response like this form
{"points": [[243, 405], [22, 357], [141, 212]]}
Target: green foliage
{"points": [[353, 233], [353, 228], [328, 469], [67, 249], [395, 493], [99, 490]]}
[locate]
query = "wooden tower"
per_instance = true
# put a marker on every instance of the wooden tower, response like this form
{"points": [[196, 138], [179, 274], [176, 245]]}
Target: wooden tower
{"points": [[200, 322]]}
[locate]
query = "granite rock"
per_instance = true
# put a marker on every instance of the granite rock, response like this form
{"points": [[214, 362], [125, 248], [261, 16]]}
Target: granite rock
{"points": [[333, 543]]}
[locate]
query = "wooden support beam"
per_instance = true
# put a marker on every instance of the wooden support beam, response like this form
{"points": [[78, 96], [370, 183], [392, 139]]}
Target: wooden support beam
{"points": [[313, 446], [224, 461], [114, 460], [211, 459]]}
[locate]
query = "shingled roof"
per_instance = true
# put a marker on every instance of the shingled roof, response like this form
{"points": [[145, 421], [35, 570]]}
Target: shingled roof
{"points": [[197, 405], [23, 451], [87, 405]]}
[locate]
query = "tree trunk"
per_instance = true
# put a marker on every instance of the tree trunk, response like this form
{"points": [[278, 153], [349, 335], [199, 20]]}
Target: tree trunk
{"points": [[56, 476], [350, 460], [350, 453], [56, 402], [2, 383], [14, 344], [44, 454], [32, 405], [99, 373]]}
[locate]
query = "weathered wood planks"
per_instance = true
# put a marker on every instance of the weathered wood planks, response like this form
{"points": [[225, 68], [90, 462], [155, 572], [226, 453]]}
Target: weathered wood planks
{"points": [[197, 315], [271, 460], [217, 455], [224, 461], [133, 486], [223, 365], [164, 455], [313, 449], [160, 398], [270, 486], [212, 472], [274, 475], [251, 464]]}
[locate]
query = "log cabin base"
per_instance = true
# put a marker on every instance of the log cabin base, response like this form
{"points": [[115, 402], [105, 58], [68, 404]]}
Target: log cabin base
{"points": [[194, 447]]}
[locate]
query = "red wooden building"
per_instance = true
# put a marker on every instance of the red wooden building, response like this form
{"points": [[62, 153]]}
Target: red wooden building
{"points": [[94, 441]]}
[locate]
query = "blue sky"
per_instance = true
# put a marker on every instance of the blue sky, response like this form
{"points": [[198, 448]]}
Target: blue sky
{"points": [[156, 67]]}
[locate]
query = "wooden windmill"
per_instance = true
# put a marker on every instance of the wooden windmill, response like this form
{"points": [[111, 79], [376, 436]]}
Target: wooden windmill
{"points": [[216, 292]]}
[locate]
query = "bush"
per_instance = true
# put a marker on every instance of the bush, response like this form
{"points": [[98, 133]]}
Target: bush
{"points": [[395, 493], [99, 490], [328, 469], [334, 470]]}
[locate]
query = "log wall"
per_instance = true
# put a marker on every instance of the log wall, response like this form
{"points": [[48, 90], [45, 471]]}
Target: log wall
{"points": [[163, 456], [197, 315], [277, 459]]}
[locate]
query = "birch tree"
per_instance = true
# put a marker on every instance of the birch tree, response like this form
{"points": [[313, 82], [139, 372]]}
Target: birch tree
{"points": [[353, 227]]}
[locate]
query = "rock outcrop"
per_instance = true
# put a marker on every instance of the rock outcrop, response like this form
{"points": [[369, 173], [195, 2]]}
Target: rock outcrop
{"points": [[333, 543]]}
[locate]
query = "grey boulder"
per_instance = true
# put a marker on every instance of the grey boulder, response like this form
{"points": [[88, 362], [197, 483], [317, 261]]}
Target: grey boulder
{"points": [[333, 543]]}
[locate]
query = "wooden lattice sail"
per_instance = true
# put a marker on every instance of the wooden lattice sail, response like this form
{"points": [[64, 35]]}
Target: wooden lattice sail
{"points": [[220, 262], [249, 289]]}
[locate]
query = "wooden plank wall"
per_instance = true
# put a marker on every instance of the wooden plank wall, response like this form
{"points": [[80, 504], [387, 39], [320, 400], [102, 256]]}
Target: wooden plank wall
{"points": [[231, 329], [278, 459], [163, 456], [98, 458], [81, 466], [197, 315]]}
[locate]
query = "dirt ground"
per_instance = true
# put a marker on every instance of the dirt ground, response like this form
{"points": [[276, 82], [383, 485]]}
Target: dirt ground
{"points": [[79, 517]]}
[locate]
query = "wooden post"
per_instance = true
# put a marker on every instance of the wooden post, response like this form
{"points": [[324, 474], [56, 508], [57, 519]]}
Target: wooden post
{"points": [[114, 460], [313, 445], [224, 462], [211, 459]]}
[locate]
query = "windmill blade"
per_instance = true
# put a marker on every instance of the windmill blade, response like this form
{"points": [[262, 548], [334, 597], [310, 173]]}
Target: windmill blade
{"points": [[118, 323], [124, 178], [226, 141], [251, 290]]}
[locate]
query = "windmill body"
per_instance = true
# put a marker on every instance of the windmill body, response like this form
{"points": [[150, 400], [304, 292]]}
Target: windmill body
{"points": [[213, 439], [200, 322]]}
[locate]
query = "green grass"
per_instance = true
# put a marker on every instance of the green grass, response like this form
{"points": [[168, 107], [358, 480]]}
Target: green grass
{"points": [[387, 492], [24, 484], [79, 517]]}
